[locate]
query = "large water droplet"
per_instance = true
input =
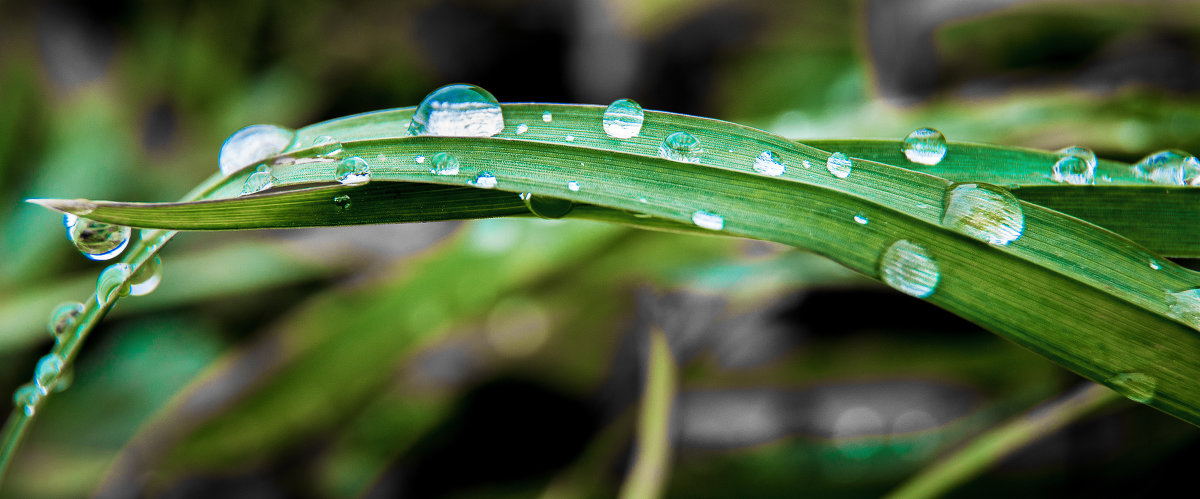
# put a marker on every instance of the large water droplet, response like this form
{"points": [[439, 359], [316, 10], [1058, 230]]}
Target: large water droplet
{"points": [[458, 110], [353, 171], [342, 203], [925, 146], [708, 220], [111, 283], [907, 267], [26, 398], [623, 119], [484, 180], [1185, 306], [1075, 165], [98, 240], [1137, 387], [985, 212], [63, 317], [768, 163], [146, 279], [1169, 168], [444, 163], [69, 221], [547, 207], [257, 182], [46, 372], [680, 146], [327, 147], [253, 144], [839, 165]]}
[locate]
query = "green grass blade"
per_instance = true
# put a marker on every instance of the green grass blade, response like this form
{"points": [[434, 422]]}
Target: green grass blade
{"points": [[650, 470]]}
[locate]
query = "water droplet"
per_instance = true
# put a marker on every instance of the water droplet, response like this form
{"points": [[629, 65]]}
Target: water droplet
{"points": [[353, 171], [1185, 306], [907, 267], [1154, 265], [570, 138], [1169, 168], [547, 117], [1075, 165], [458, 110], [484, 180], [46, 372], [1137, 387], [522, 128], [623, 119], [547, 207], [805, 164], [839, 165], [419, 159], [573, 186], [69, 221], [682, 147], [26, 397], [253, 144], [98, 240], [444, 163], [64, 316], [768, 163], [925, 146], [342, 202], [707, 220], [65, 379], [146, 279], [111, 283], [326, 146], [257, 182], [263, 168], [985, 212], [861, 220]]}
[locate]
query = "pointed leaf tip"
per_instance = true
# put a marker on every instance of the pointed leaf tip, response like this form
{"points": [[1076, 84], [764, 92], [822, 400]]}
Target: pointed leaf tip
{"points": [[79, 207]]}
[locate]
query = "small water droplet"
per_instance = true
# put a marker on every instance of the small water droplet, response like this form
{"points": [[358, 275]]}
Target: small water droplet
{"points": [[444, 163], [768, 163], [805, 164], [98, 240], [263, 168], [1137, 387], [522, 128], [680, 146], [326, 146], [146, 279], [65, 379], [342, 202], [353, 171], [46, 372], [623, 119], [26, 397], [547, 207], [570, 138], [985, 212], [707, 220], [573, 186], [907, 267], [1154, 265], [1185, 306], [1169, 168], [257, 182], [419, 159], [925, 146], [458, 110], [1075, 165], [839, 165], [253, 144], [484, 180], [547, 117], [63, 317], [111, 283], [861, 220]]}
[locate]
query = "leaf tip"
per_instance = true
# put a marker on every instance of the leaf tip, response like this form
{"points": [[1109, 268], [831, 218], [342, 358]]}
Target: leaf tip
{"points": [[79, 207]]}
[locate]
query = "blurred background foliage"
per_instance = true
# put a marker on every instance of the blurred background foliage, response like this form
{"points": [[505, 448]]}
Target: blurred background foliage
{"points": [[505, 357]]}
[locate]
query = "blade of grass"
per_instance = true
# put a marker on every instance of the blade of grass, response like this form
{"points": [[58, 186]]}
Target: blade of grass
{"points": [[649, 473]]}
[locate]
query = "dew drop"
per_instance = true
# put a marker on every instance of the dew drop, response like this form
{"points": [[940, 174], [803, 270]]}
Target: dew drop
{"points": [[111, 283], [547, 117], [925, 146], [547, 207], [1154, 265], [1185, 306], [69, 221], [570, 138], [682, 147], [46, 372], [98, 240], [768, 163], [326, 146], [1075, 165], [484, 180], [907, 267], [1169, 168], [805, 164], [458, 110], [257, 182], [146, 279], [861, 220], [342, 202], [419, 159], [253, 144], [63, 317], [1137, 387], [985, 212], [444, 163], [573, 186], [65, 379], [839, 165], [707, 220], [353, 171], [26, 397], [522, 128], [623, 119]]}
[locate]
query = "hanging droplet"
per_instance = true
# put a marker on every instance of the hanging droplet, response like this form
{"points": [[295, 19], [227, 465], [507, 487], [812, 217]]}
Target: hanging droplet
{"points": [[1137, 387], [708, 220], [46, 372], [69, 221], [573, 186], [623, 119], [925, 146], [1075, 165], [547, 207], [484, 180], [985, 212], [680, 146], [769, 164], [252, 145], [444, 163], [353, 171], [522, 128], [547, 117], [458, 110], [26, 398], [327, 147], [342, 203], [839, 165], [98, 240], [1169, 168], [861, 220], [111, 283], [64, 317], [907, 267], [1185, 306], [257, 182], [146, 279]]}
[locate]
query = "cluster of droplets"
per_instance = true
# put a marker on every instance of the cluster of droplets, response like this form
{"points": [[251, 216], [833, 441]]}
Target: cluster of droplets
{"points": [[1169, 167]]}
